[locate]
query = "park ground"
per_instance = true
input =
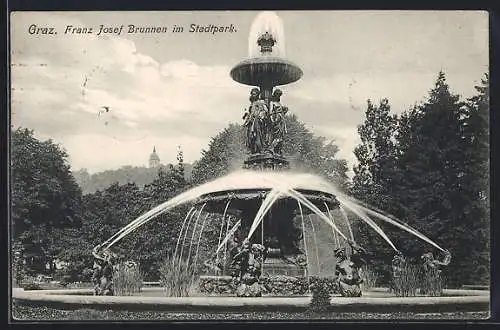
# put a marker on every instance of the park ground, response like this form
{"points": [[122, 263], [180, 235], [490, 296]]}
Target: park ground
{"points": [[32, 313]]}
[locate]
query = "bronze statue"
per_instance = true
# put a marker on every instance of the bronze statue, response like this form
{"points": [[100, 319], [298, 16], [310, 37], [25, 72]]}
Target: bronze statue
{"points": [[429, 263], [96, 277], [248, 263], [359, 254], [398, 265], [256, 122], [240, 260], [277, 122], [347, 270], [265, 124], [102, 277], [432, 278]]}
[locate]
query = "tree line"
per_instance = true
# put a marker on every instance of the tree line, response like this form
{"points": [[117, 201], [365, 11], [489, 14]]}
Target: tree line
{"points": [[428, 166]]}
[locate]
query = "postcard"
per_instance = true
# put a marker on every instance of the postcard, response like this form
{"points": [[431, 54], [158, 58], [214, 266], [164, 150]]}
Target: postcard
{"points": [[249, 165]]}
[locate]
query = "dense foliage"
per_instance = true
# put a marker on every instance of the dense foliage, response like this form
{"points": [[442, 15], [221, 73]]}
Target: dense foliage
{"points": [[46, 201], [141, 176], [430, 168]]}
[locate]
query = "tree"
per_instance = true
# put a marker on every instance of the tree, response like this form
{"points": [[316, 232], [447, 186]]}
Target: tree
{"points": [[45, 200], [431, 170], [179, 169], [109, 210], [307, 152], [226, 152], [376, 155], [374, 176], [432, 158], [475, 182]]}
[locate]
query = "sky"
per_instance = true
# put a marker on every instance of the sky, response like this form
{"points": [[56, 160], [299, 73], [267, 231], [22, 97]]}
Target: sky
{"points": [[173, 90]]}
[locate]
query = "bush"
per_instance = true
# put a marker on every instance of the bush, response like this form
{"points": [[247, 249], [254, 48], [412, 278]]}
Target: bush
{"points": [[320, 289], [66, 279], [432, 283], [87, 274], [407, 283], [127, 279], [370, 278], [32, 286], [177, 277]]}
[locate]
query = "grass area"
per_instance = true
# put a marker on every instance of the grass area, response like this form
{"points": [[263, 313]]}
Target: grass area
{"points": [[28, 313]]}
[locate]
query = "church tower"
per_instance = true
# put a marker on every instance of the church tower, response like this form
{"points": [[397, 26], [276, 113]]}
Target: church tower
{"points": [[154, 160]]}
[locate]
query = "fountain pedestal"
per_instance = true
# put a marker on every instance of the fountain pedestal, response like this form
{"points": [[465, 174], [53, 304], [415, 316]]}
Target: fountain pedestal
{"points": [[265, 161], [275, 265]]}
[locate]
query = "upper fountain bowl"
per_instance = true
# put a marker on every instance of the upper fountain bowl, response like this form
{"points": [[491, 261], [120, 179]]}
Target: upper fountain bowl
{"points": [[266, 71], [266, 65]]}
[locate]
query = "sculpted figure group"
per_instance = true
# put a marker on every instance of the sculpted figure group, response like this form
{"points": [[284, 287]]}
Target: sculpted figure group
{"points": [[102, 277], [430, 272], [247, 269], [265, 123], [247, 260], [348, 269]]}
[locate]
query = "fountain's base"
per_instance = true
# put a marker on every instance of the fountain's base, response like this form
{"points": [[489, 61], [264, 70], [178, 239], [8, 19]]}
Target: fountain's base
{"points": [[266, 161], [278, 285], [249, 290], [277, 264], [276, 267]]}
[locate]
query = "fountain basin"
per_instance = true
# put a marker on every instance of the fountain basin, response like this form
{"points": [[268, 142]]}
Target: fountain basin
{"points": [[266, 70], [240, 198], [463, 300]]}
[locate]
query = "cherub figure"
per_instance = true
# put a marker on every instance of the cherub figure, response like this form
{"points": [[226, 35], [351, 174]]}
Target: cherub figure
{"points": [[432, 272], [347, 270]]}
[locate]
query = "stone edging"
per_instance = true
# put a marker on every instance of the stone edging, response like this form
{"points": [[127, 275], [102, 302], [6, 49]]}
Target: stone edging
{"points": [[74, 299]]}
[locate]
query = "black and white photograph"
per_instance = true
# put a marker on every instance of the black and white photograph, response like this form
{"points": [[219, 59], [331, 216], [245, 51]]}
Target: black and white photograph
{"points": [[249, 165]]}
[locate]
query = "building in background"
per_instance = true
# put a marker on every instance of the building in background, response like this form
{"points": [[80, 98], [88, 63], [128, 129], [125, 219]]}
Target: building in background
{"points": [[154, 159]]}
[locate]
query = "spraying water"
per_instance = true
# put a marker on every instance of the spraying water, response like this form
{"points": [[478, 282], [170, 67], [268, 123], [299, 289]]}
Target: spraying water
{"points": [[335, 237], [182, 228], [267, 22], [222, 227], [315, 243], [305, 245], [346, 220], [194, 231], [199, 238], [280, 185]]}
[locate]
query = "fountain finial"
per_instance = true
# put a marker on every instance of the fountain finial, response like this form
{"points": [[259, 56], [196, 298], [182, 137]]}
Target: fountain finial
{"points": [[266, 42], [266, 24]]}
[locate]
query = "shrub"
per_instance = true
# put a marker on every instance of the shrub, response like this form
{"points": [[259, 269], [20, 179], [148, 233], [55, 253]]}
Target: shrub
{"points": [[432, 283], [32, 286], [87, 274], [370, 278], [66, 279], [177, 277], [127, 279], [320, 289], [407, 283]]}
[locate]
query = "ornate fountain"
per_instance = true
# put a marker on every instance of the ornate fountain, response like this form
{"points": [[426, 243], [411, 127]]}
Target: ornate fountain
{"points": [[260, 209], [280, 232]]}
